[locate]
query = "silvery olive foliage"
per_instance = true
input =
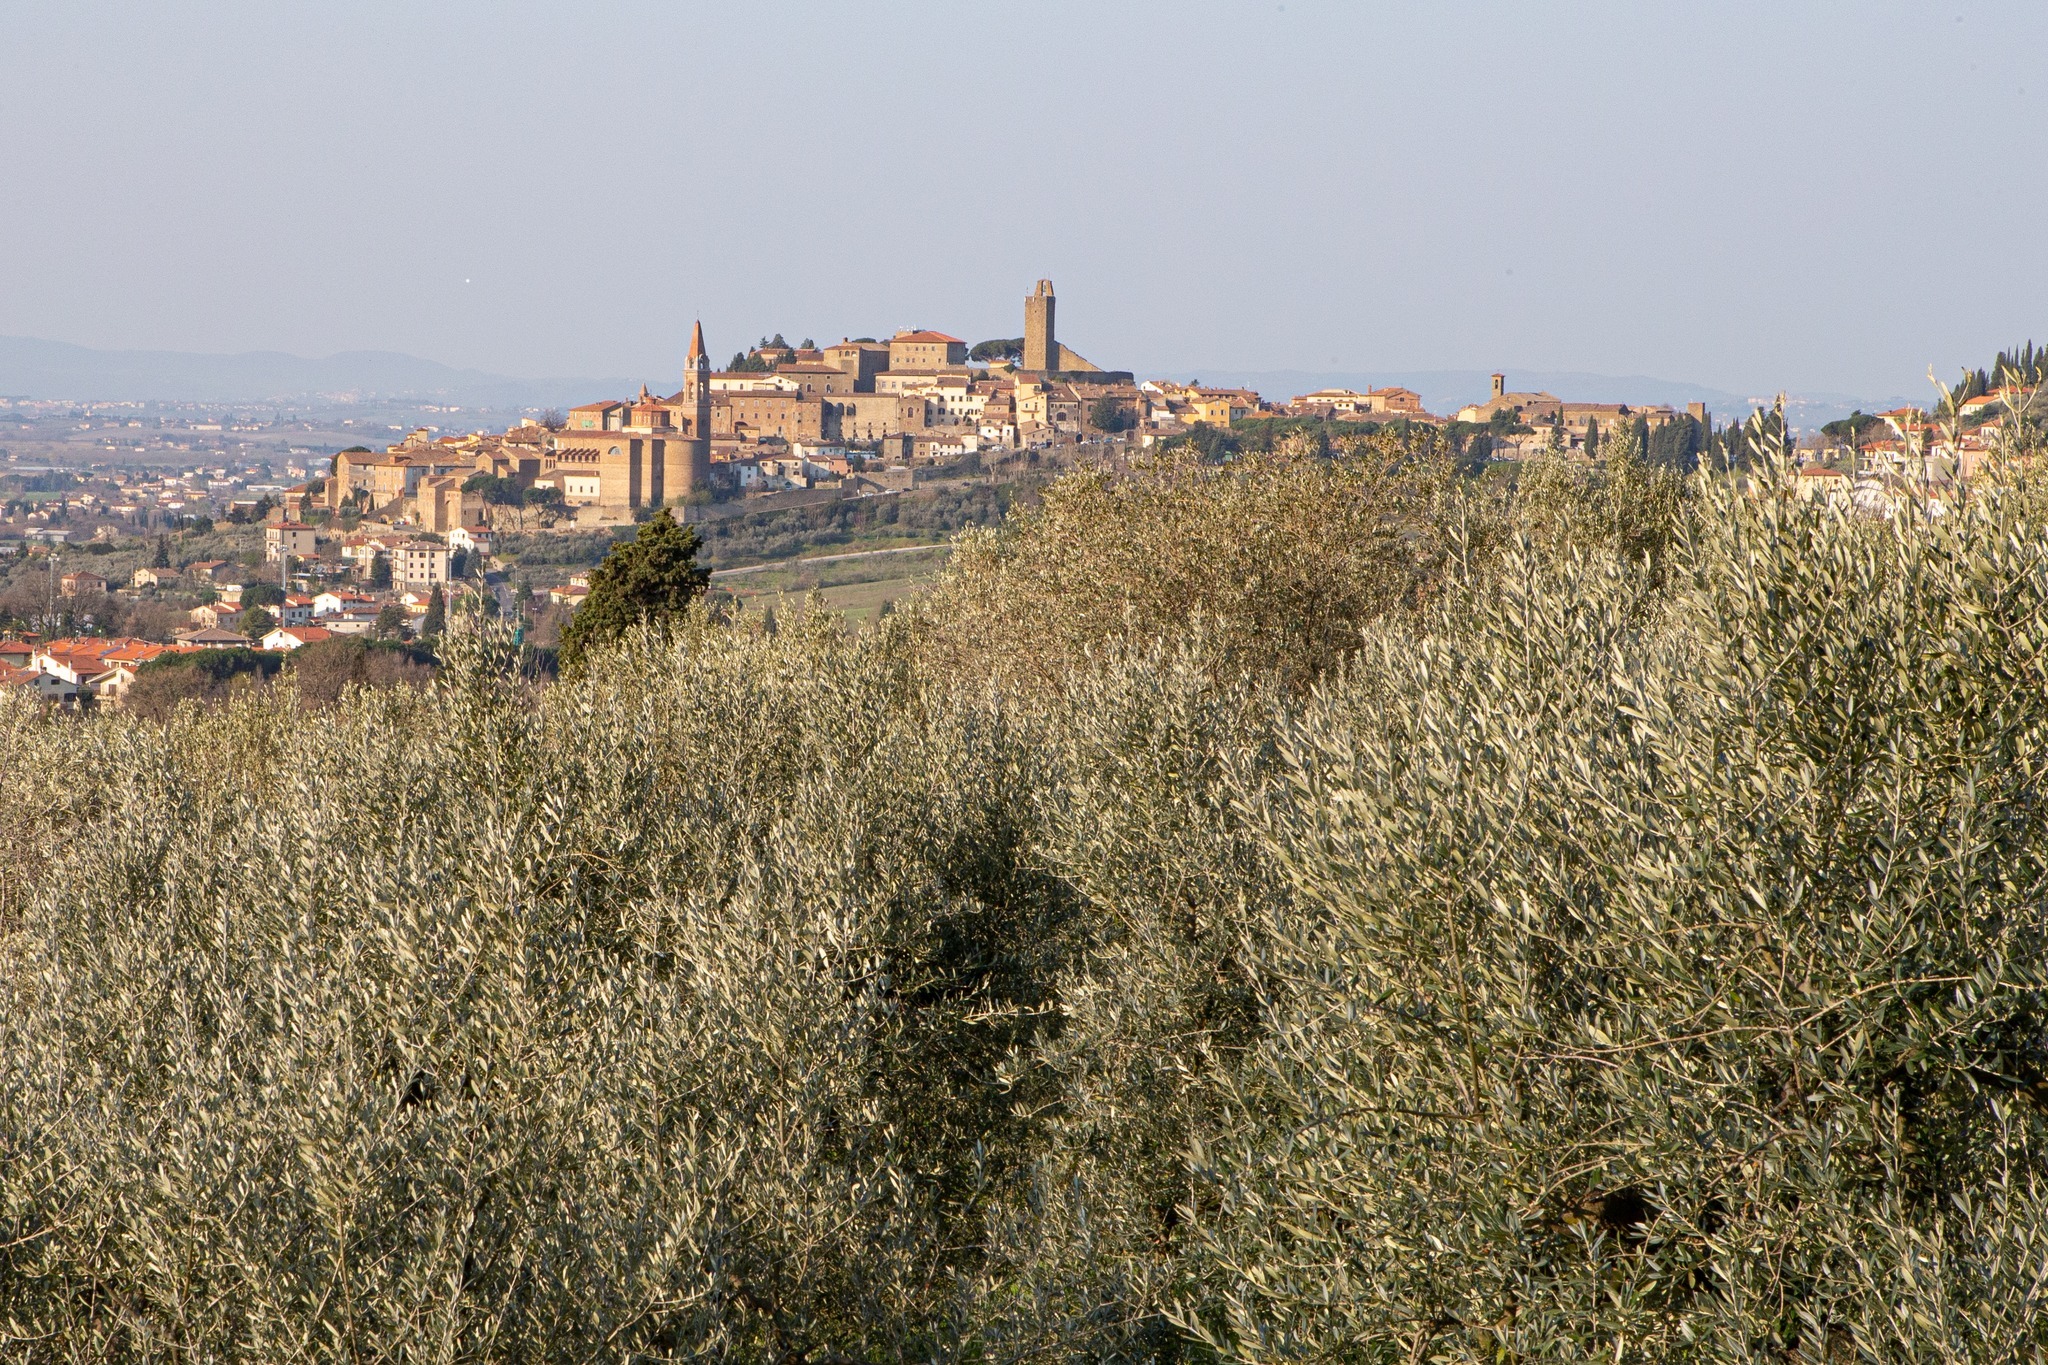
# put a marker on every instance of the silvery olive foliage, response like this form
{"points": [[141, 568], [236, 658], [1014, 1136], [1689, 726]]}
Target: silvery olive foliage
{"points": [[1660, 992], [1278, 556], [647, 1018], [1631, 949]]}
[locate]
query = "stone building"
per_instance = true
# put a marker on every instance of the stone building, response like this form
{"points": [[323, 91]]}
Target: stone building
{"points": [[925, 351], [863, 360], [1529, 407], [644, 453], [792, 416], [872, 416], [1575, 419], [1351, 403], [1041, 349], [386, 479]]}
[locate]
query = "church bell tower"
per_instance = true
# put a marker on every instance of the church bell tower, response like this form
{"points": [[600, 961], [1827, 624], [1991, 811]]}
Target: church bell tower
{"points": [[687, 466]]}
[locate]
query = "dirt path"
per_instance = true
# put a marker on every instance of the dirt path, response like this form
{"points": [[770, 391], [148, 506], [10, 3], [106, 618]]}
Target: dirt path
{"points": [[824, 559]]}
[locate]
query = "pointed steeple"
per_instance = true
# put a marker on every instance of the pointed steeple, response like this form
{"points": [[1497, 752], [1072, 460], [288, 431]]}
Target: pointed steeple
{"points": [[696, 342]]}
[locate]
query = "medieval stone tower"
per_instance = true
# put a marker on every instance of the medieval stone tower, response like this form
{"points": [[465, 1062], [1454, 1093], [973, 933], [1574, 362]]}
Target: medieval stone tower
{"points": [[1041, 348], [686, 464]]}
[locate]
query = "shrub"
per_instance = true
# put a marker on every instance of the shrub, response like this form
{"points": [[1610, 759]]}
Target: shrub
{"points": [[209, 675], [1349, 922], [1664, 990], [1280, 559]]}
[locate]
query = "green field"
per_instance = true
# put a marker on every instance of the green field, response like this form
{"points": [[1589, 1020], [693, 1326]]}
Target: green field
{"points": [[857, 587]]}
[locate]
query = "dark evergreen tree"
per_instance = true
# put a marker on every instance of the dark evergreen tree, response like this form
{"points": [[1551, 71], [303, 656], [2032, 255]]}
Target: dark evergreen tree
{"points": [[1678, 445], [436, 618], [1106, 414], [650, 578], [391, 620]]}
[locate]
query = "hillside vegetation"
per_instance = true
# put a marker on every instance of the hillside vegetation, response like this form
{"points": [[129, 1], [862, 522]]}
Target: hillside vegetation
{"points": [[1294, 910]]}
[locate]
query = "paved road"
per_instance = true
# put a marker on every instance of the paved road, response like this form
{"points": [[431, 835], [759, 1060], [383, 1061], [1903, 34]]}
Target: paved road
{"points": [[824, 559]]}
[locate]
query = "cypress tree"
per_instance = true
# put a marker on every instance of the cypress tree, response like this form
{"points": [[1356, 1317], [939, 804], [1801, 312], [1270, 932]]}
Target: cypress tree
{"points": [[651, 578]]}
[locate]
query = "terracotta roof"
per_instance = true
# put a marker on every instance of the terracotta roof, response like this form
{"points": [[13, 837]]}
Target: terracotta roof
{"points": [[924, 336]]}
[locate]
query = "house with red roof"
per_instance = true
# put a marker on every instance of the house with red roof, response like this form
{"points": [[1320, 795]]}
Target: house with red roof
{"points": [[89, 666], [288, 638], [925, 350], [80, 582], [38, 684], [212, 637], [1997, 398]]}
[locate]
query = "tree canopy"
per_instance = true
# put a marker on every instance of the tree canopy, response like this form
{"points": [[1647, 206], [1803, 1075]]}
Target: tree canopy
{"points": [[496, 490], [1107, 414], [652, 577], [1001, 348], [436, 618]]}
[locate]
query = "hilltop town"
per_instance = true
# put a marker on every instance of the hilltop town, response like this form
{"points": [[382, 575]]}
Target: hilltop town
{"points": [[872, 445]]}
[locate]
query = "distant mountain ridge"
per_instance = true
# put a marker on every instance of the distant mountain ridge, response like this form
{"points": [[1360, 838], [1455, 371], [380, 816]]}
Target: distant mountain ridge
{"points": [[1445, 391], [35, 368]]}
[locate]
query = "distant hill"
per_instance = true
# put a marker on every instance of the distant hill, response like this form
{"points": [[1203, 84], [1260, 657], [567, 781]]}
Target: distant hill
{"points": [[1445, 391], [34, 368]]}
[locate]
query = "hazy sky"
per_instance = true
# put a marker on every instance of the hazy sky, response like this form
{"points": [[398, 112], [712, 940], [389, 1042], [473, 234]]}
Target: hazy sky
{"points": [[1818, 196]]}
